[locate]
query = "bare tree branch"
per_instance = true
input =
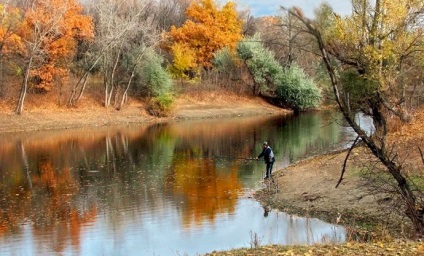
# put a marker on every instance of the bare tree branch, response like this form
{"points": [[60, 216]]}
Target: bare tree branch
{"points": [[355, 142]]}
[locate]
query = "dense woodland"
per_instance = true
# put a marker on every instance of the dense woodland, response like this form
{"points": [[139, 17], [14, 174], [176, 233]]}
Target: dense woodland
{"points": [[150, 50], [370, 61]]}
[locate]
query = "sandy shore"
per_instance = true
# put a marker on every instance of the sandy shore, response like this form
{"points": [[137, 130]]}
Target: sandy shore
{"points": [[39, 119]]}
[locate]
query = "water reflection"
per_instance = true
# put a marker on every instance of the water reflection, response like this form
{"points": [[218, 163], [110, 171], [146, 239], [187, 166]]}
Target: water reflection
{"points": [[207, 190], [157, 189]]}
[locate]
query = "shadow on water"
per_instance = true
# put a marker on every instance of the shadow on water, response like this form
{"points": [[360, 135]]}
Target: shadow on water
{"points": [[177, 188]]}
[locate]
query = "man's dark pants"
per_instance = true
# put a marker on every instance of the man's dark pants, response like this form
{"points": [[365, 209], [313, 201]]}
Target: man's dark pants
{"points": [[269, 169]]}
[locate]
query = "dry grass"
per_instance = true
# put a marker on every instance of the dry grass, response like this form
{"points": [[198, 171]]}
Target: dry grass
{"points": [[353, 249], [408, 139], [46, 112], [220, 95]]}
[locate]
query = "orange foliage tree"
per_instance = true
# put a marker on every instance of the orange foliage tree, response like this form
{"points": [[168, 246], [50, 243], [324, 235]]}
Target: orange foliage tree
{"points": [[10, 22], [51, 30], [207, 30]]}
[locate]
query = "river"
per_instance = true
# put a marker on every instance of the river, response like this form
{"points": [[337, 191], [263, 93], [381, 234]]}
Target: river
{"points": [[181, 188]]}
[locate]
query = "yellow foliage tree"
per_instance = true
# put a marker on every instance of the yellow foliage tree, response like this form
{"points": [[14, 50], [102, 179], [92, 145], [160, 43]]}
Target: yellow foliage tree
{"points": [[378, 38], [184, 61], [207, 30]]}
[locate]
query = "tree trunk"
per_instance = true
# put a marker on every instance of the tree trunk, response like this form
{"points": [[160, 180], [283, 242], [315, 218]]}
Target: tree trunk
{"points": [[413, 210], [111, 83], [73, 99], [24, 89], [124, 95], [107, 92], [82, 89], [21, 101]]}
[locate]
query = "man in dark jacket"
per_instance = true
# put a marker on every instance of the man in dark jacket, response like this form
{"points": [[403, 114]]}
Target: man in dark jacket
{"points": [[268, 157]]}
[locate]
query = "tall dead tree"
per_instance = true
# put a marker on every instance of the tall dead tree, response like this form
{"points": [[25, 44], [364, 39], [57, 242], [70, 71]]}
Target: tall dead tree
{"points": [[121, 28]]}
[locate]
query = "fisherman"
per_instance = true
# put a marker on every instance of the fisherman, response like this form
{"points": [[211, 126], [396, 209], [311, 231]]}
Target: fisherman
{"points": [[268, 157]]}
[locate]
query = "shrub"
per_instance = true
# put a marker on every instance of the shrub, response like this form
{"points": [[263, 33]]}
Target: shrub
{"points": [[160, 106], [225, 62], [298, 90], [290, 85], [151, 78]]}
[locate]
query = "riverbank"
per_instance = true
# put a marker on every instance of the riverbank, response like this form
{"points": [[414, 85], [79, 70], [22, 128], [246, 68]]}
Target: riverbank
{"points": [[308, 188], [41, 116], [374, 225]]}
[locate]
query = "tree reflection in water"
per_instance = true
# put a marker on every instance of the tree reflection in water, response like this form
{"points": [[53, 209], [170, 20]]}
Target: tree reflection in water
{"points": [[205, 189], [60, 183]]}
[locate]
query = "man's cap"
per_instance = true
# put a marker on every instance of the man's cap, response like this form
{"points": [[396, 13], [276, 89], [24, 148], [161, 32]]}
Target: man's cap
{"points": [[265, 143]]}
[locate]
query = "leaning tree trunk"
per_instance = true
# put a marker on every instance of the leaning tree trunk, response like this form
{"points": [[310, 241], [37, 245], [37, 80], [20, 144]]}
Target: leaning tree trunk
{"points": [[73, 99], [413, 210], [125, 93]]}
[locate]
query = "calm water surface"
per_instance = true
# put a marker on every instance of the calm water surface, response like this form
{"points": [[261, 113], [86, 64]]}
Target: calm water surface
{"points": [[163, 189]]}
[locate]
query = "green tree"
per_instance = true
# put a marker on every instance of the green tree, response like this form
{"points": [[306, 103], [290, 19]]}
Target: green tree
{"points": [[261, 64], [227, 64], [298, 90], [290, 84], [155, 81], [152, 77]]}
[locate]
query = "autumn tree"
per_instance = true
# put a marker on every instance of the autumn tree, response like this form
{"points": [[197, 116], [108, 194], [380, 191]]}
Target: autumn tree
{"points": [[369, 57], [10, 22], [11, 43], [51, 31], [184, 62], [208, 29]]}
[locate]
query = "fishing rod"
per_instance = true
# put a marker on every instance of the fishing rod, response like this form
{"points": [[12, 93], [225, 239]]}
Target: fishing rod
{"points": [[238, 158], [242, 158]]}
